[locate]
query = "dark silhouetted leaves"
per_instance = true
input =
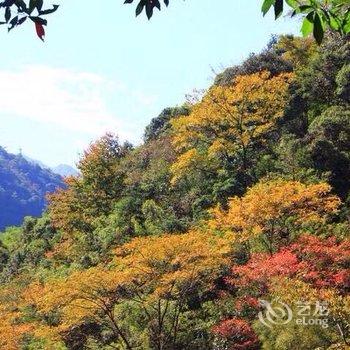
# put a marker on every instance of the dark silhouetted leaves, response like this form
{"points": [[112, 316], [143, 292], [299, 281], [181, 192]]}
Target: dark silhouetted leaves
{"points": [[148, 5], [17, 11], [335, 16]]}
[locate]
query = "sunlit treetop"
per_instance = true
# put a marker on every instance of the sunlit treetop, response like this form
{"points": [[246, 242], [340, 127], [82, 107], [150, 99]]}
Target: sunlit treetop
{"points": [[269, 208], [228, 120]]}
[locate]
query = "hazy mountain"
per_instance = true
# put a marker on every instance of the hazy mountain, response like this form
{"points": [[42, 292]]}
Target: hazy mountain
{"points": [[61, 169], [35, 161], [65, 170], [23, 187]]}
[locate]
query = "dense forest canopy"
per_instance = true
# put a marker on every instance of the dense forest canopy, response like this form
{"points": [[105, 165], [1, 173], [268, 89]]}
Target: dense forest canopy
{"points": [[317, 15], [240, 196]]}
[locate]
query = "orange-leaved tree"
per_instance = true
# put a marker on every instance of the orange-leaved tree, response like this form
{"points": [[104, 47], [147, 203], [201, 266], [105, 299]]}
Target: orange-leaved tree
{"points": [[228, 121], [272, 210], [12, 326], [158, 274]]}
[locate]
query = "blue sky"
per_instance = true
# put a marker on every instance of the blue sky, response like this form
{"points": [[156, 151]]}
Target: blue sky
{"points": [[103, 69]]}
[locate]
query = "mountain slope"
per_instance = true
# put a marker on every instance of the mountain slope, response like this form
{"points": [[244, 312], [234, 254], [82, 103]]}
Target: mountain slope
{"points": [[23, 186], [35, 161]]}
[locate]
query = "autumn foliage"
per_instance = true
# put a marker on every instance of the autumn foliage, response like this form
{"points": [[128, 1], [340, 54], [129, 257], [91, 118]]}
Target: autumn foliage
{"points": [[160, 273], [234, 200], [319, 262], [272, 210], [228, 120], [237, 334]]}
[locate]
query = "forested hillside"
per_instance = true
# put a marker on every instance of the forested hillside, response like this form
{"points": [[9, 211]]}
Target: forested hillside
{"points": [[23, 187], [238, 196]]}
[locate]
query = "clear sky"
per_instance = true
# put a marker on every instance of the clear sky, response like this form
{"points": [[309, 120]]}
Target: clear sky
{"points": [[103, 69]]}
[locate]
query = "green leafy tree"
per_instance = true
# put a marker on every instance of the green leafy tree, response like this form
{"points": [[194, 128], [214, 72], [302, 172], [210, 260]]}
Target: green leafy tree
{"points": [[330, 147], [318, 15]]}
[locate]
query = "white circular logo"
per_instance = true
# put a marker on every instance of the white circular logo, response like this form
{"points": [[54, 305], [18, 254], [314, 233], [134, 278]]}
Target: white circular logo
{"points": [[275, 313]]}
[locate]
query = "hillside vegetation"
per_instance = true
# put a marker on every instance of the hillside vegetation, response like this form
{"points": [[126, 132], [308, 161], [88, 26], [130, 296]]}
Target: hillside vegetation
{"points": [[23, 187], [239, 195]]}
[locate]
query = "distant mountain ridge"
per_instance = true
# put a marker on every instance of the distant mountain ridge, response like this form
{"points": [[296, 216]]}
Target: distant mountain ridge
{"points": [[65, 170], [35, 161], [23, 187], [61, 169]]}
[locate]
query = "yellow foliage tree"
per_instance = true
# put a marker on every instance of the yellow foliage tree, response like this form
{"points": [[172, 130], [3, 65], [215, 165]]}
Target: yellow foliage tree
{"points": [[12, 328], [229, 119], [158, 273], [270, 209], [296, 50]]}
